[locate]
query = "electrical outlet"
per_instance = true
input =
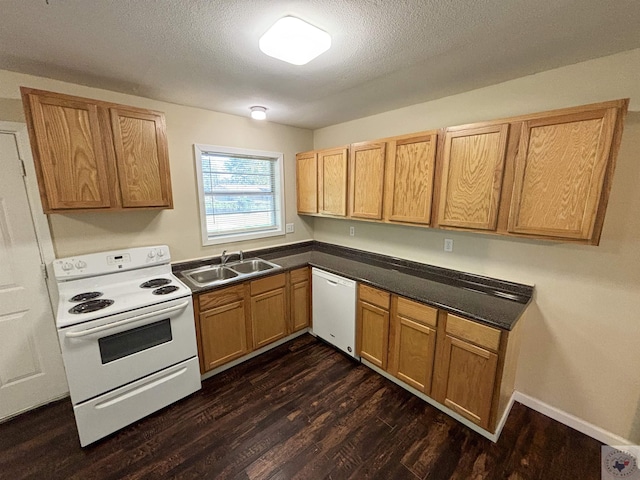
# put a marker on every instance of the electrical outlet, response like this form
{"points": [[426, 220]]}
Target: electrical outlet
{"points": [[352, 231], [290, 228], [448, 245]]}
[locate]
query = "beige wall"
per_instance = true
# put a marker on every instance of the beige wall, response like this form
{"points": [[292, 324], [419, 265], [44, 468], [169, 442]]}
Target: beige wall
{"points": [[179, 228], [581, 351]]}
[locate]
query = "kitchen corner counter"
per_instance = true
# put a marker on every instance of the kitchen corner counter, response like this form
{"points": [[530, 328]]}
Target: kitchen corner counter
{"points": [[490, 301]]}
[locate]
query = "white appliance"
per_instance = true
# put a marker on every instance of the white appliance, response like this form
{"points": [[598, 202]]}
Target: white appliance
{"points": [[126, 330], [334, 310]]}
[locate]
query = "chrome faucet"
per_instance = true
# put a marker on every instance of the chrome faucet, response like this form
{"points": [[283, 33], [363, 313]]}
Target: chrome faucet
{"points": [[224, 257]]}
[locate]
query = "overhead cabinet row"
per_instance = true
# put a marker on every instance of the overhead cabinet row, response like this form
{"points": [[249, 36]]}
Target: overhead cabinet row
{"points": [[95, 156], [545, 175]]}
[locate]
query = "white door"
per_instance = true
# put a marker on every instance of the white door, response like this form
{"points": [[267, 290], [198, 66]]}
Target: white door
{"points": [[31, 370]]}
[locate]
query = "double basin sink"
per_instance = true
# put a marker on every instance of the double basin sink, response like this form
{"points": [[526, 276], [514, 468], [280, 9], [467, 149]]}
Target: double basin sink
{"points": [[221, 274]]}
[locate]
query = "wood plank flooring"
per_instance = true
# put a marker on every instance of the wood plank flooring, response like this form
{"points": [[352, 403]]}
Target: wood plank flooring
{"points": [[301, 411]]}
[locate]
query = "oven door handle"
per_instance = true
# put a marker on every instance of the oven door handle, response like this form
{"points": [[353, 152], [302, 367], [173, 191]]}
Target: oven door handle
{"points": [[109, 326]]}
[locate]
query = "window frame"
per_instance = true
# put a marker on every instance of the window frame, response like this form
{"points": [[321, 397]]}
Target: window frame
{"points": [[278, 157]]}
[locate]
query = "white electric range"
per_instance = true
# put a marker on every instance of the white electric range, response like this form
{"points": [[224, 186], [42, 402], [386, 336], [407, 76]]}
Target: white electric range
{"points": [[126, 330]]}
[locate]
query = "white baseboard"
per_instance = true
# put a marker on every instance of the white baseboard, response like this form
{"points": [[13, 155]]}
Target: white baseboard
{"points": [[572, 421]]}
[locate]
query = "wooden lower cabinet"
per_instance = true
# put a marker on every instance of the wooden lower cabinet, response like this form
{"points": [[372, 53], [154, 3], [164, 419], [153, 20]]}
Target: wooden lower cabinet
{"points": [[470, 373], [268, 310], [300, 298], [224, 330], [372, 324], [412, 343], [474, 372], [462, 364], [234, 321]]}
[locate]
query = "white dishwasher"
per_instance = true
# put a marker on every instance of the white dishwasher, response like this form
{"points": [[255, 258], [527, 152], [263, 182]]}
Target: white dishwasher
{"points": [[334, 310]]}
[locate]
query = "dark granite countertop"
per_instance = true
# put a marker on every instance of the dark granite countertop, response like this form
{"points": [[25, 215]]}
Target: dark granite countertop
{"points": [[487, 300]]}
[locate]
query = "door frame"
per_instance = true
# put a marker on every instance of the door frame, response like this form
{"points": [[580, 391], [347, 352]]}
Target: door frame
{"points": [[38, 218]]}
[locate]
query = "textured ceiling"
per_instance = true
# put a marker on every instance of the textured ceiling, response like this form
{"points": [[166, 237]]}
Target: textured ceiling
{"points": [[385, 54]]}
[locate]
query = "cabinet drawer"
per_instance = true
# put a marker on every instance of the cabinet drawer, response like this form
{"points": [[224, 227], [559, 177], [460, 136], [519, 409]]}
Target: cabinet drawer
{"points": [[473, 332], [299, 275], [418, 312], [267, 284], [221, 297], [374, 296]]}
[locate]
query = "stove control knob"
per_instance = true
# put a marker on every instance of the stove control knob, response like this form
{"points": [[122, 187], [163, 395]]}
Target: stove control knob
{"points": [[160, 253], [81, 264], [151, 254], [66, 266]]}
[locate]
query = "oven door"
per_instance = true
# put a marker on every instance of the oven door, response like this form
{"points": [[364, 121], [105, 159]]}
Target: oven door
{"points": [[110, 352]]}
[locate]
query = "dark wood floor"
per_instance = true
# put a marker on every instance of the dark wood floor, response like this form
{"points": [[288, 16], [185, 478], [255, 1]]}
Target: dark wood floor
{"points": [[300, 411]]}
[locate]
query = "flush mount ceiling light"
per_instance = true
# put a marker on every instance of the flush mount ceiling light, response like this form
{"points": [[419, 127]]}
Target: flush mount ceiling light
{"points": [[258, 113], [295, 41]]}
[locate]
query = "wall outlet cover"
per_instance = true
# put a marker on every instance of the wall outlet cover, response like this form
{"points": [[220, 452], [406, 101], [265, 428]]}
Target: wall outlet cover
{"points": [[352, 231], [448, 245], [290, 228]]}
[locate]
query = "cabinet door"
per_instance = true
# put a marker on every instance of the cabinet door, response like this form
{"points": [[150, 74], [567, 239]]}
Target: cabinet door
{"points": [[141, 157], [300, 299], [559, 174], [332, 181], [307, 182], [373, 328], [366, 179], [70, 157], [224, 334], [471, 179], [409, 187], [268, 317], [470, 375], [413, 338]]}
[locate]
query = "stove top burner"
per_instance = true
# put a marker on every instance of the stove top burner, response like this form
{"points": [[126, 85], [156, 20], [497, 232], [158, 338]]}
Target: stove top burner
{"points": [[83, 297], [90, 306], [155, 283], [165, 290]]}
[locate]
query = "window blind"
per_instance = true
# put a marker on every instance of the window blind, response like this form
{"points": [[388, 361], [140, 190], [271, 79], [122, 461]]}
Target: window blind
{"points": [[240, 194]]}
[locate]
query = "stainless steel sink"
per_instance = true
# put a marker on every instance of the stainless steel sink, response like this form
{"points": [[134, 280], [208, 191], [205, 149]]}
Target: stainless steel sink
{"points": [[219, 275], [252, 266], [210, 275]]}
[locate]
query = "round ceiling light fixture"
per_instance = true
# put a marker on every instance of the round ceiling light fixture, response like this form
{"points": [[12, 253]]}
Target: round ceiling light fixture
{"points": [[258, 113]]}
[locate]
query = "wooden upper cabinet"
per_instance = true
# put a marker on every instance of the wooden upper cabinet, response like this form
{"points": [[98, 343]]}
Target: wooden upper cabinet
{"points": [[366, 179], [472, 165], [332, 181], [70, 158], [93, 155], [409, 181], [559, 187], [141, 157], [307, 182]]}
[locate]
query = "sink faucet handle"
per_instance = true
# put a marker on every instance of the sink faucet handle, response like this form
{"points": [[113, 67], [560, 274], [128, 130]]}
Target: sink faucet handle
{"points": [[241, 255]]}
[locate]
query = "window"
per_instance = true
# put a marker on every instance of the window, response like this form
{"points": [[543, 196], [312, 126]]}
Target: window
{"points": [[241, 193]]}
